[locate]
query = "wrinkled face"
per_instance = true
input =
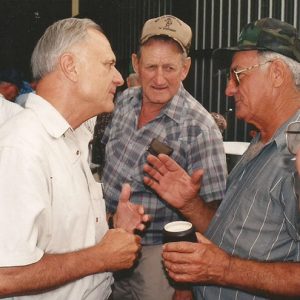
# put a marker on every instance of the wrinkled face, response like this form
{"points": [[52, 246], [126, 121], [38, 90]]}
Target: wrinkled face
{"points": [[161, 69], [254, 91], [97, 76]]}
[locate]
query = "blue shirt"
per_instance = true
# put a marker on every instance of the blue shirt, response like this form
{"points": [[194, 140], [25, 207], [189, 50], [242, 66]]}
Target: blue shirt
{"points": [[182, 124], [259, 217]]}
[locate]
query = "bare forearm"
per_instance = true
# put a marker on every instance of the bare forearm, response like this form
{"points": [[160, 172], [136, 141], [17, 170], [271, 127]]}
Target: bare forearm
{"points": [[200, 213], [50, 272], [268, 279]]}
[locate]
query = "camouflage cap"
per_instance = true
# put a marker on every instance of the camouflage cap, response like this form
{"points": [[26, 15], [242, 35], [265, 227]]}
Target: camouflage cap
{"points": [[266, 34]]}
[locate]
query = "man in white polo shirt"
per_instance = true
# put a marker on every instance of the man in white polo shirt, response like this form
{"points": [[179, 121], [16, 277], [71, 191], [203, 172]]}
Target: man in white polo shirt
{"points": [[55, 242]]}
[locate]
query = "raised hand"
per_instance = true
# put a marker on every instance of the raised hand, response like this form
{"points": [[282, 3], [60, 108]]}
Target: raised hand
{"points": [[129, 216], [171, 182]]}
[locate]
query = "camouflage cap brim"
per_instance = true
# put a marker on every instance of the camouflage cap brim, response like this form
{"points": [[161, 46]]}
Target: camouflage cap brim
{"points": [[266, 34], [223, 57]]}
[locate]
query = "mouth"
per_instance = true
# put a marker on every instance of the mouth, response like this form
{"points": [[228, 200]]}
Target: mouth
{"points": [[113, 92], [159, 88]]}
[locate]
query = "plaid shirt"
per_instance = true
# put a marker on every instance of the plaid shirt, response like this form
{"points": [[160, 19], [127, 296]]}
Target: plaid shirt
{"points": [[184, 125]]}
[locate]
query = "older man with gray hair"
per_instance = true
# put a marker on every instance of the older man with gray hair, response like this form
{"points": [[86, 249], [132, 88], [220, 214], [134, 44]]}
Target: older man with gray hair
{"points": [[55, 242], [160, 112], [251, 244]]}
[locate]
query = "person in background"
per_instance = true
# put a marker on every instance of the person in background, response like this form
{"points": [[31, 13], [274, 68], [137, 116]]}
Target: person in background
{"points": [[26, 88], [10, 83], [160, 109], [55, 242], [220, 121], [102, 121], [250, 247], [97, 149], [96, 146], [133, 80]]}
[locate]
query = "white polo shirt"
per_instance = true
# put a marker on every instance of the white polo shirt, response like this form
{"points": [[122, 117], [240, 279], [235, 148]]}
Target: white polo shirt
{"points": [[8, 109], [49, 201]]}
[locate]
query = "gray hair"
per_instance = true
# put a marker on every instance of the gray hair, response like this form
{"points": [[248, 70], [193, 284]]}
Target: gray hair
{"points": [[57, 39], [293, 65]]}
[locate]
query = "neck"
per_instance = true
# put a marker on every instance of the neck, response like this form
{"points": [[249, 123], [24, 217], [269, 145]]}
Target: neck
{"points": [[64, 100], [277, 117], [149, 112]]}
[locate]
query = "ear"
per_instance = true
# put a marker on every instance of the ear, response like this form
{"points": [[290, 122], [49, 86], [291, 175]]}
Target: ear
{"points": [[279, 72], [135, 63], [68, 66], [186, 68]]}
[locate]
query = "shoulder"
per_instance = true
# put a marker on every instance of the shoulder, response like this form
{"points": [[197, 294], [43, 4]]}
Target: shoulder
{"points": [[194, 112], [125, 98], [9, 106]]}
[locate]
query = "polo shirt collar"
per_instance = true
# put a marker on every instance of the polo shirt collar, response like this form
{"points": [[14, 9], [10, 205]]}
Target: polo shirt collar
{"points": [[51, 119]]}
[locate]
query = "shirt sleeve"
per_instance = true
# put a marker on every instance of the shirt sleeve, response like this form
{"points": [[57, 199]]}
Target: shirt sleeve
{"points": [[206, 152], [23, 191], [290, 203]]}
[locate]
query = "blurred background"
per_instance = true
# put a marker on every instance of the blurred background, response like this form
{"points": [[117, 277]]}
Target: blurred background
{"points": [[215, 23]]}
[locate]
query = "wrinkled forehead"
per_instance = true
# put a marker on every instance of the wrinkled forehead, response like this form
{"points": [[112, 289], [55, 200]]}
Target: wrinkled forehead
{"points": [[244, 58]]}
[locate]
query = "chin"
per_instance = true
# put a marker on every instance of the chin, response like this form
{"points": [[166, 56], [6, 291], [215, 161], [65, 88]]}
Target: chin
{"points": [[108, 108]]}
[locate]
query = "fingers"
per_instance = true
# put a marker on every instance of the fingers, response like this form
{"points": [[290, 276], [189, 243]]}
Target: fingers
{"points": [[158, 163], [154, 173], [179, 277], [197, 176], [125, 193], [151, 183], [202, 239], [181, 247]]}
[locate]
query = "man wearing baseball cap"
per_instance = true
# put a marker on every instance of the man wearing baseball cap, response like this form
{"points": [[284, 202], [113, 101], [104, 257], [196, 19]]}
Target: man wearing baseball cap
{"points": [[163, 110], [250, 247]]}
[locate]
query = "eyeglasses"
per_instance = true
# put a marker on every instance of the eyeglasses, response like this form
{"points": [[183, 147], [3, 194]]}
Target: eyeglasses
{"points": [[234, 73], [293, 137]]}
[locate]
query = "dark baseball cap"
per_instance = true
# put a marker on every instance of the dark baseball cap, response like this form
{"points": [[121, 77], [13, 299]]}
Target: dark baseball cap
{"points": [[266, 34]]}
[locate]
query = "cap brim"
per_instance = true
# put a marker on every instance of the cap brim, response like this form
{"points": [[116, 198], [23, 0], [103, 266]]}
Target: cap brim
{"points": [[222, 57]]}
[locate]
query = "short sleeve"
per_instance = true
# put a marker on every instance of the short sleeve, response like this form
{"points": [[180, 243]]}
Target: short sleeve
{"points": [[22, 206]]}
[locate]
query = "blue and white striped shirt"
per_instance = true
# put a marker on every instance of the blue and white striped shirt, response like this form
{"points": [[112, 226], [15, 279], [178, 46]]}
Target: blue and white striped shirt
{"points": [[184, 125], [259, 217]]}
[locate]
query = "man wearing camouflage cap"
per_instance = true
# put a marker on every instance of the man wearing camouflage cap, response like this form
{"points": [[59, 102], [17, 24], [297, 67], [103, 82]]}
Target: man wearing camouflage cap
{"points": [[250, 247], [161, 108]]}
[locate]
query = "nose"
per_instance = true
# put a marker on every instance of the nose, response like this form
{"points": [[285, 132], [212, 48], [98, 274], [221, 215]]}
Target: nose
{"points": [[118, 79], [159, 78], [231, 87]]}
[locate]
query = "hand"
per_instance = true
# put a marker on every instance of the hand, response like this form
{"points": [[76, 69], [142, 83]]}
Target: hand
{"points": [[171, 182], [129, 216], [201, 262], [119, 249], [183, 295]]}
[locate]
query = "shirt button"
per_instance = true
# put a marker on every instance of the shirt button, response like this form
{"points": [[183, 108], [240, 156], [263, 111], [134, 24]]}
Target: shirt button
{"points": [[77, 152]]}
